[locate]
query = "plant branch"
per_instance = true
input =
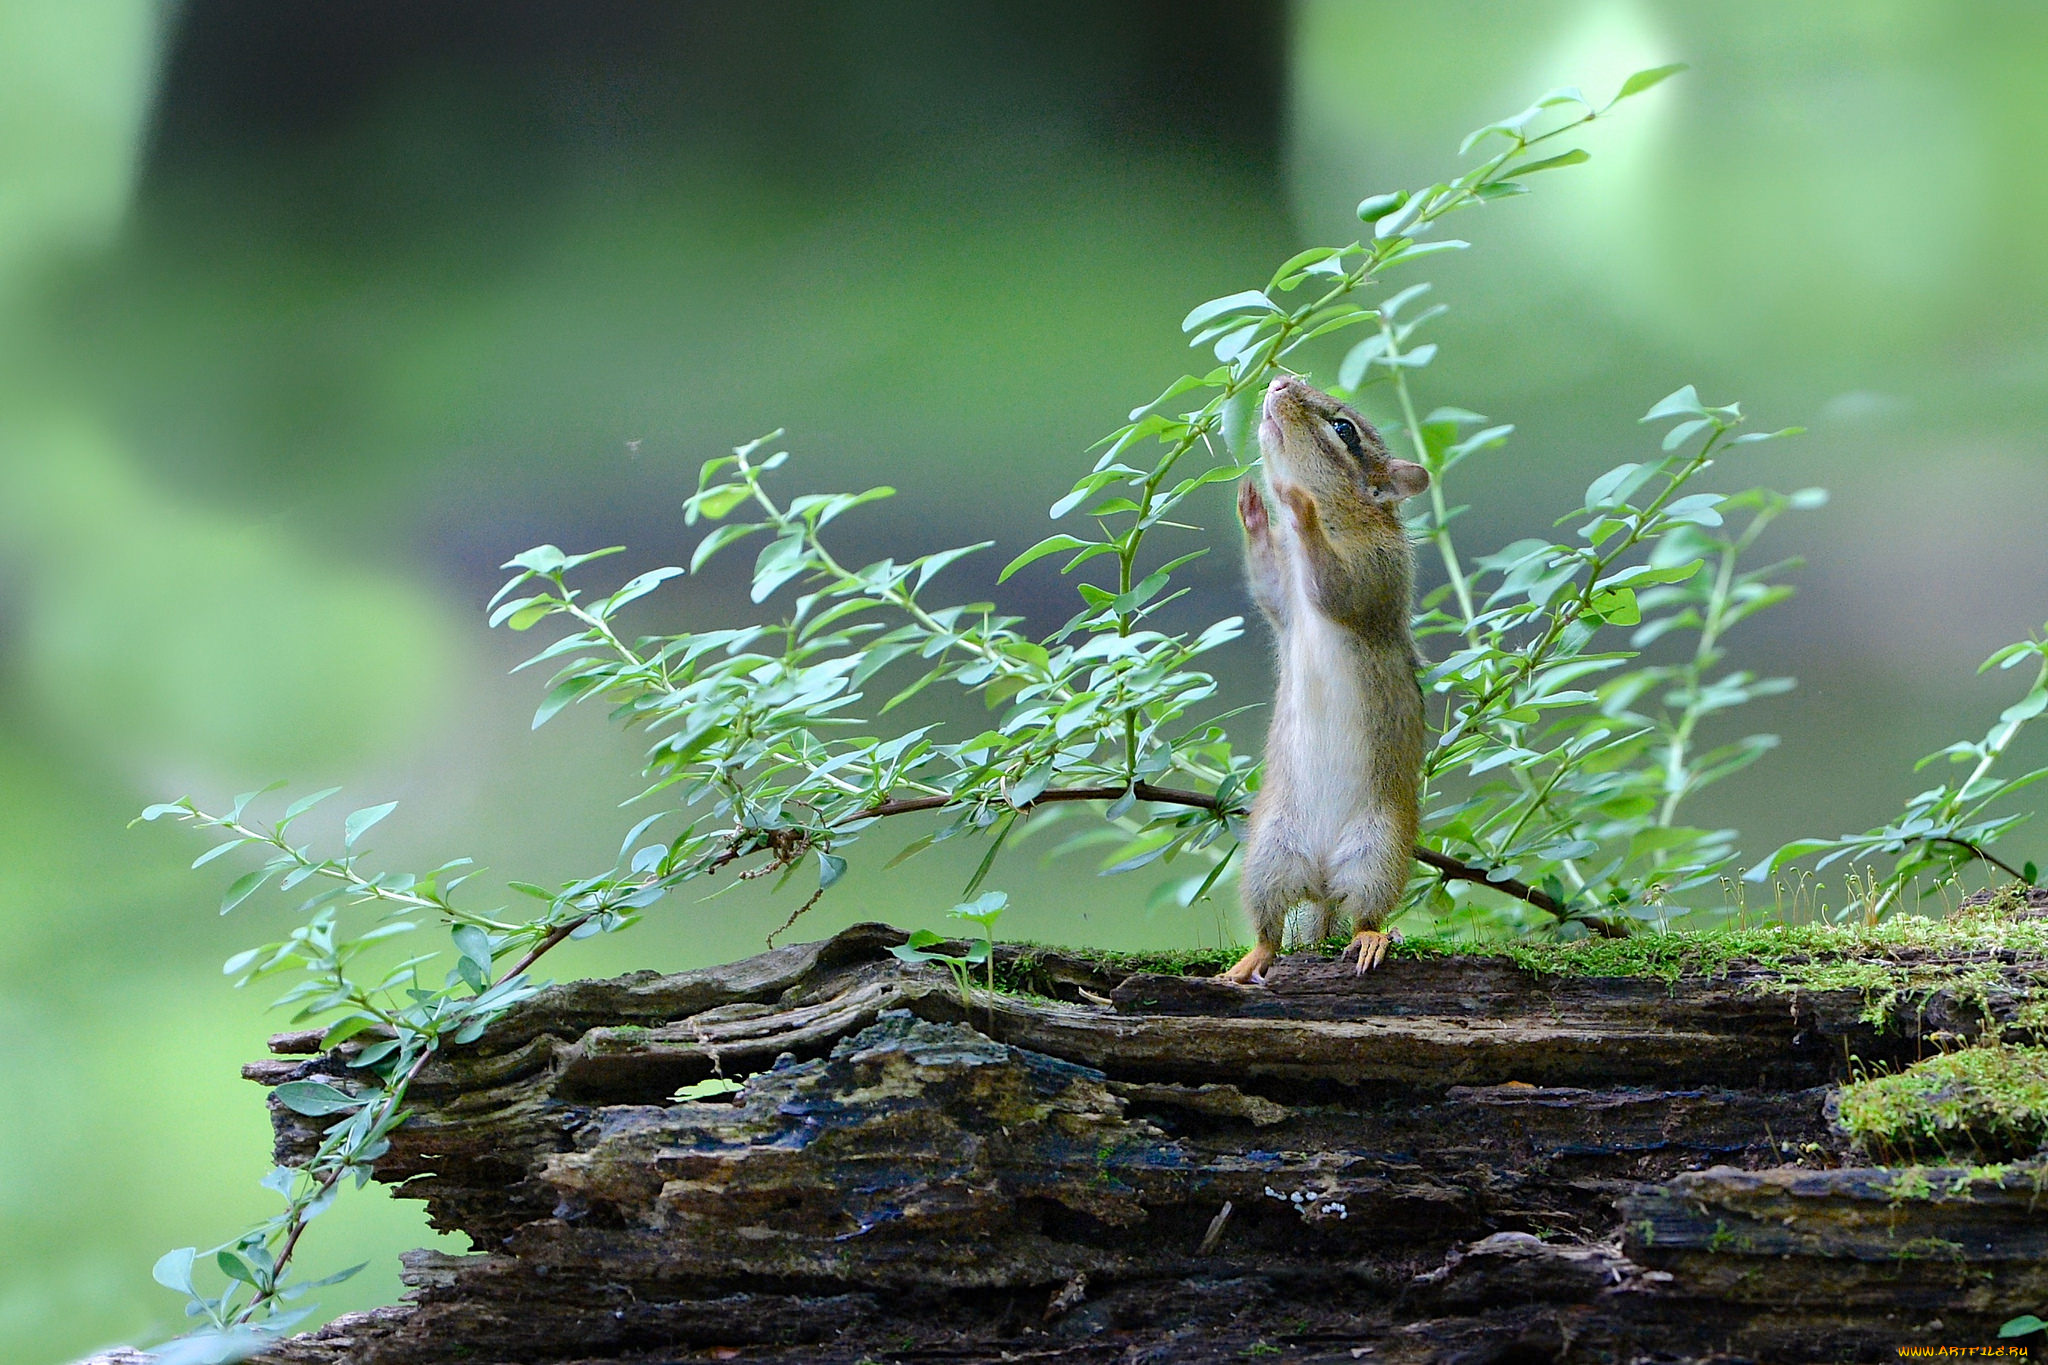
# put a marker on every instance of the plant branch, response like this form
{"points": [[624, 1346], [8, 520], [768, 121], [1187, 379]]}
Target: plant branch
{"points": [[1166, 796], [554, 938], [1982, 854], [1534, 657], [323, 1183], [1449, 868]]}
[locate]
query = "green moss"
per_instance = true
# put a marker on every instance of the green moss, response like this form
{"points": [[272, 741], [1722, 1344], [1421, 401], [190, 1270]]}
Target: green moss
{"points": [[1987, 1101], [1167, 961], [1972, 955], [1928, 1249], [1910, 1184], [1812, 956]]}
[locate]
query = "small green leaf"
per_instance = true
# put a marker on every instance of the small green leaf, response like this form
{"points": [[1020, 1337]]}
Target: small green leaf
{"points": [[1550, 163], [1378, 206], [1752, 437], [911, 850], [1148, 847], [1403, 217], [2025, 1325], [336, 1278], [358, 824], [1646, 78], [560, 695], [243, 887], [719, 539], [933, 563], [779, 561], [235, 1268], [1616, 606], [203, 859], [1696, 509], [831, 867], [473, 942], [1798, 848], [1031, 785], [344, 1029], [1613, 488], [1051, 545], [304, 804], [1297, 266], [316, 1099], [1248, 301], [540, 559], [2027, 707], [173, 1269], [1241, 422], [639, 586], [1680, 434], [1417, 250], [1683, 402], [718, 502], [499, 613], [988, 859], [983, 909], [1651, 573]]}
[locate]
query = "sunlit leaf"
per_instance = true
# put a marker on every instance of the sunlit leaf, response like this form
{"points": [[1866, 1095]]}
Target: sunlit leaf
{"points": [[1647, 78]]}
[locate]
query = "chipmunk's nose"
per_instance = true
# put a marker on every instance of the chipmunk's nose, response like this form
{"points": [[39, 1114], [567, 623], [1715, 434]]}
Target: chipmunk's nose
{"points": [[1282, 383]]}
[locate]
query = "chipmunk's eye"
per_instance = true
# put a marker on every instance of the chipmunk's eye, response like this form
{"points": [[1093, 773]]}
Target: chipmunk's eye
{"points": [[1347, 432]]}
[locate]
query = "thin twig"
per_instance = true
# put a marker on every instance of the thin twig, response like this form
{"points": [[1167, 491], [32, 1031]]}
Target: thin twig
{"points": [[1165, 796], [796, 915], [1977, 851], [554, 938], [326, 1183], [1447, 867], [1456, 870]]}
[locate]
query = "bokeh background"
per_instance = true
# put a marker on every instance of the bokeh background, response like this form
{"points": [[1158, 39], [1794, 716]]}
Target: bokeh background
{"points": [[312, 314]]}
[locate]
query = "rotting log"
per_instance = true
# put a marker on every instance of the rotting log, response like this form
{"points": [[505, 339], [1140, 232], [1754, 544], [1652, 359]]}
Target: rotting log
{"points": [[1451, 1159]]}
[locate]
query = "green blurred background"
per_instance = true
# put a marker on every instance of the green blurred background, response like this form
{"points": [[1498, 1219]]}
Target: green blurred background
{"points": [[312, 314]]}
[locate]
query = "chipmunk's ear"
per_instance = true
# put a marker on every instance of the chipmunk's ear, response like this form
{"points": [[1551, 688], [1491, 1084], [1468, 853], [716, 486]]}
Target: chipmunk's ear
{"points": [[1404, 480]]}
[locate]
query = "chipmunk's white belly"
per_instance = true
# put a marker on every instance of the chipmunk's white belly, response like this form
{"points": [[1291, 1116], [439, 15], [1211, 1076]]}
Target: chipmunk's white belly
{"points": [[1321, 740]]}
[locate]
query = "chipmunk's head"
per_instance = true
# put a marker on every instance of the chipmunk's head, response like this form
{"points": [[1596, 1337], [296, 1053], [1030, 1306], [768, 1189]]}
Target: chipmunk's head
{"points": [[1309, 438]]}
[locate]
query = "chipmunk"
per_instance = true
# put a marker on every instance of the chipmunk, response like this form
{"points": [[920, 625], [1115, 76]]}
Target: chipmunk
{"points": [[1333, 572]]}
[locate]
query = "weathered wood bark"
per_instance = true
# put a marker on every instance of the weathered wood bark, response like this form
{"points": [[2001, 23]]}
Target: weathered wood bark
{"points": [[1446, 1160]]}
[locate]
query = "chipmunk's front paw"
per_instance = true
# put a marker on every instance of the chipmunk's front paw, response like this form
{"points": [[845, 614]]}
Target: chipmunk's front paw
{"points": [[1371, 947], [1251, 968], [1251, 509]]}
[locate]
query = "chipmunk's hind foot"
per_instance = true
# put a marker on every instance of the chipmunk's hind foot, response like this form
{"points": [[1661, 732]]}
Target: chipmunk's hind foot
{"points": [[1371, 947], [1251, 968]]}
